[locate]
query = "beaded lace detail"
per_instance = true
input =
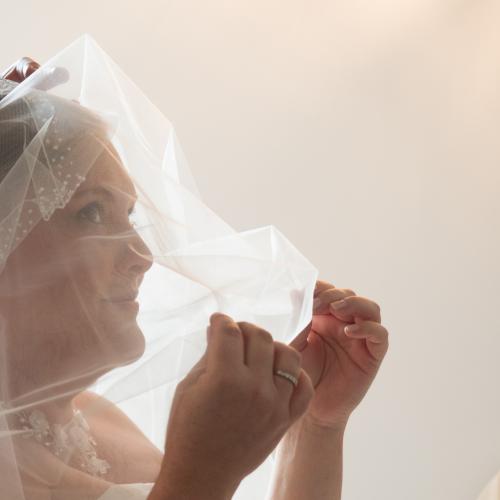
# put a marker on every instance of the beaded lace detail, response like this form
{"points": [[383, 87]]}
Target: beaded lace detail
{"points": [[70, 442]]}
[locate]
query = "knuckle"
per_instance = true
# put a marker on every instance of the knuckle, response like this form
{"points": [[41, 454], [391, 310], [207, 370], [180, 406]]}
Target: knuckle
{"points": [[220, 321], [322, 285], [229, 330], [264, 336], [349, 291], [254, 329], [318, 285], [332, 295], [232, 328], [216, 316], [224, 324]]}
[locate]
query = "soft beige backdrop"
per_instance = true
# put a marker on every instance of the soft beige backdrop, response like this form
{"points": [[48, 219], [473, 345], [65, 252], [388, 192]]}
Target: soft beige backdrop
{"points": [[367, 131]]}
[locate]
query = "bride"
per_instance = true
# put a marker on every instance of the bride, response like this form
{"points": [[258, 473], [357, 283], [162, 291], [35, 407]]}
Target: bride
{"points": [[71, 268]]}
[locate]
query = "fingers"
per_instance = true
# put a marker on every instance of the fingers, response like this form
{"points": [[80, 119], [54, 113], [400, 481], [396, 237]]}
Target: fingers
{"points": [[325, 294], [321, 304], [259, 350], [376, 336], [289, 360], [263, 356], [232, 345], [370, 330], [345, 304], [225, 343], [360, 307], [321, 286]]}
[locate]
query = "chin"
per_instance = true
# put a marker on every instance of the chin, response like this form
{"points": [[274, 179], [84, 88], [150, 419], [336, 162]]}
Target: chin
{"points": [[125, 339], [130, 344]]}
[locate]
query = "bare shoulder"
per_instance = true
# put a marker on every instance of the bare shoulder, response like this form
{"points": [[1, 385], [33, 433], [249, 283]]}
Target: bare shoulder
{"points": [[93, 405], [121, 441]]}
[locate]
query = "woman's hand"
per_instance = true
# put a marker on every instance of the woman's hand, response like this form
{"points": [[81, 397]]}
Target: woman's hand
{"points": [[341, 364], [230, 411]]}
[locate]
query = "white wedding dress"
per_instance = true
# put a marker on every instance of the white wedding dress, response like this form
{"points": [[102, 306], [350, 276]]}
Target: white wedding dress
{"points": [[135, 491]]}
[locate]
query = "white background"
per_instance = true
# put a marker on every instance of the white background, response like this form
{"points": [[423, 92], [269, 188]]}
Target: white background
{"points": [[367, 131]]}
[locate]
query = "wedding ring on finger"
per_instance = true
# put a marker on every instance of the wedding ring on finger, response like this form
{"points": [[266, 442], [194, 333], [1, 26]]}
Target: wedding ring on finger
{"points": [[288, 376]]}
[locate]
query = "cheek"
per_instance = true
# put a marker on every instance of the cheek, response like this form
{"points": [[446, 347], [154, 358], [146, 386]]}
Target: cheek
{"points": [[90, 270], [73, 287]]}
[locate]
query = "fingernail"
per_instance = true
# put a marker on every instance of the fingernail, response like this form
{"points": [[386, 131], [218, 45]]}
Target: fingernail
{"points": [[339, 304], [316, 303], [351, 328]]}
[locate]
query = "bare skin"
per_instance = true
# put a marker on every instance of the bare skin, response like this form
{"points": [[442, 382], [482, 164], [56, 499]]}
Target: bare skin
{"points": [[92, 255], [117, 437], [341, 365], [101, 272]]}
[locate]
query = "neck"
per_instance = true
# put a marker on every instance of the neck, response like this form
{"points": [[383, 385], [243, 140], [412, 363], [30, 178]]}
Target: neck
{"points": [[57, 412], [57, 403]]}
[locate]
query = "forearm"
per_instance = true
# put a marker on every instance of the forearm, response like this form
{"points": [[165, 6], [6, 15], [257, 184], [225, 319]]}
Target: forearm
{"points": [[174, 484], [309, 463]]}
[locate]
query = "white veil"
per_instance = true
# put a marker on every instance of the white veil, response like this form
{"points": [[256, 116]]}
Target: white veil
{"points": [[75, 159]]}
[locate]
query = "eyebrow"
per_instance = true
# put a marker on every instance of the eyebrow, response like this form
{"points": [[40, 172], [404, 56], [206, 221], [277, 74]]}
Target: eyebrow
{"points": [[106, 193], [99, 191]]}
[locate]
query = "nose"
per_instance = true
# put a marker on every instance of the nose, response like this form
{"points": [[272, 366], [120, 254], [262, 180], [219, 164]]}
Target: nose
{"points": [[136, 258]]}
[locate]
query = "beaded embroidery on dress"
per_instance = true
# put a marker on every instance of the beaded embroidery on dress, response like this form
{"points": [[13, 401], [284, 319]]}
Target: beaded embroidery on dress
{"points": [[72, 439]]}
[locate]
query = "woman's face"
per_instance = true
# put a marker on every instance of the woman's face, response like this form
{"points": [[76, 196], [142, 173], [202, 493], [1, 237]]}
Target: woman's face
{"points": [[67, 293]]}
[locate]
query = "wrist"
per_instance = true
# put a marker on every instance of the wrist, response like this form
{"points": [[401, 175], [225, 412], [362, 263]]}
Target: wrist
{"points": [[309, 434], [309, 461], [186, 483], [314, 425]]}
